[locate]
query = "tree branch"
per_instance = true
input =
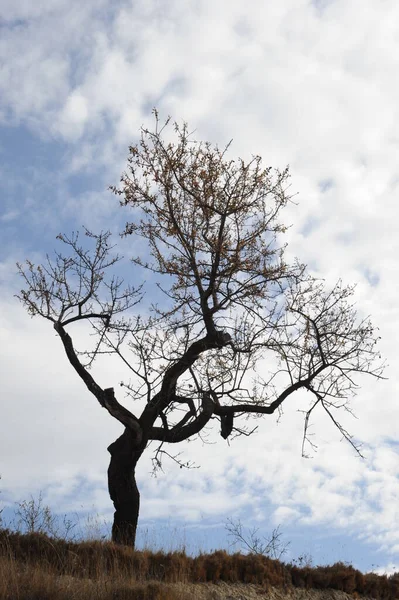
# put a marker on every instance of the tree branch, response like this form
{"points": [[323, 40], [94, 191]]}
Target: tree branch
{"points": [[178, 434], [106, 397], [172, 374]]}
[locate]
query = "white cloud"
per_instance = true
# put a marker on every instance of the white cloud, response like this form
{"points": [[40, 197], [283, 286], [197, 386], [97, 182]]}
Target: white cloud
{"points": [[74, 115], [389, 569], [15, 11], [9, 215]]}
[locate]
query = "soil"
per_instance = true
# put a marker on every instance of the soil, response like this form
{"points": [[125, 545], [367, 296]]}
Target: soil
{"points": [[241, 591]]}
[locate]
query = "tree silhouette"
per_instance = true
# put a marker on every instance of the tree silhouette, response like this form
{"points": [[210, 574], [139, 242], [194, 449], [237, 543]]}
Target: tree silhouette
{"points": [[233, 330]]}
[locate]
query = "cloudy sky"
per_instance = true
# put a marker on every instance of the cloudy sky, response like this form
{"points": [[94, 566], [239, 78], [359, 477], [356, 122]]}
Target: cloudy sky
{"points": [[312, 84]]}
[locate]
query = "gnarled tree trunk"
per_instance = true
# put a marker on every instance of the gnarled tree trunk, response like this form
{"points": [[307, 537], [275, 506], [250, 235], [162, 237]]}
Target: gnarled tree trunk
{"points": [[123, 488]]}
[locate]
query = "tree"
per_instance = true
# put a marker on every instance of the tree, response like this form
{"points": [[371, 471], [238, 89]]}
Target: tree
{"points": [[251, 541], [229, 308]]}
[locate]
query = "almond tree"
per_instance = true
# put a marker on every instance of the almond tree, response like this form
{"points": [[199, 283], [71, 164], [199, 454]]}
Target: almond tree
{"points": [[232, 331]]}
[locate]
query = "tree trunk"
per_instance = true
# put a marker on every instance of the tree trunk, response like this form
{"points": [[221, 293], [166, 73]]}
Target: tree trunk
{"points": [[123, 488]]}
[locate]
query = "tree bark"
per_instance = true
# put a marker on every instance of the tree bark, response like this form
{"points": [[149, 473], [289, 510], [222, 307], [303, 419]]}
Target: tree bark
{"points": [[123, 488]]}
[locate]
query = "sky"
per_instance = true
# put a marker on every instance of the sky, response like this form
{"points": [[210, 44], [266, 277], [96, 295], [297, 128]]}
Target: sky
{"points": [[310, 84]]}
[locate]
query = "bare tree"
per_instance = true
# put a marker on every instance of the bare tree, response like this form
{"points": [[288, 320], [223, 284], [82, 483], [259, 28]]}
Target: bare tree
{"points": [[250, 540], [227, 308]]}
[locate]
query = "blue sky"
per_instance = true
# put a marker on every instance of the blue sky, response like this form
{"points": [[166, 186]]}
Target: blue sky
{"points": [[309, 84]]}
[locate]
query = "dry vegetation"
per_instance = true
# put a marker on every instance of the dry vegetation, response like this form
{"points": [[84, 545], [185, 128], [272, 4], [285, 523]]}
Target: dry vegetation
{"points": [[37, 567]]}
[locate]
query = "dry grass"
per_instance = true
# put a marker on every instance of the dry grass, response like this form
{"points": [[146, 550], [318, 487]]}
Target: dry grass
{"points": [[36, 567]]}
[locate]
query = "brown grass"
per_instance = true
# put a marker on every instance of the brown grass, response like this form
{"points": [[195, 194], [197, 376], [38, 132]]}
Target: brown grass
{"points": [[36, 567]]}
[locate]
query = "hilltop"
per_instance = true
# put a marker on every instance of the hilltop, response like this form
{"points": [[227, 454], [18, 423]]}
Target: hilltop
{"points": [[36, 566]]}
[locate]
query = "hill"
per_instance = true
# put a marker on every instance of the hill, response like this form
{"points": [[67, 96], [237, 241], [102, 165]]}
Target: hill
{"points": [[37, 567]]}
